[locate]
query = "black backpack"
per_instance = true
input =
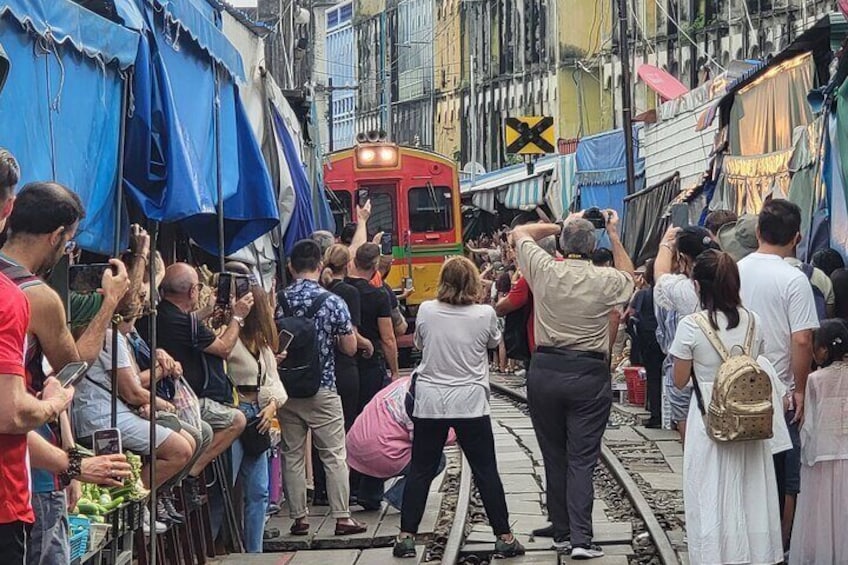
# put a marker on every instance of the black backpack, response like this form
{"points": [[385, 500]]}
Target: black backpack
{"points": [[300, 373], [515, 334]]}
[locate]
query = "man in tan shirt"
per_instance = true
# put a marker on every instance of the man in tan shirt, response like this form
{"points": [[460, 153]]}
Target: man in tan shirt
{"points": [[568, 384]]}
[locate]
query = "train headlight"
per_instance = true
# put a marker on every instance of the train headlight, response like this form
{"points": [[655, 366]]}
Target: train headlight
{"points": [[377, 156]]}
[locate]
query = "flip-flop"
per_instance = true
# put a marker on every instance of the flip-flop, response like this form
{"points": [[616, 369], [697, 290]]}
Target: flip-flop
{"points": [[299, 529], [350, 529]]}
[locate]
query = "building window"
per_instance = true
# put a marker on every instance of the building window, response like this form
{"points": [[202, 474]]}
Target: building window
{"points": [[430, 209]]}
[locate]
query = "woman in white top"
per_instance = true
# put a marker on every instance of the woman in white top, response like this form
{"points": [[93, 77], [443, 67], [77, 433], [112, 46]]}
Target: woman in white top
{"points": [[729, 490], [451, 390]]}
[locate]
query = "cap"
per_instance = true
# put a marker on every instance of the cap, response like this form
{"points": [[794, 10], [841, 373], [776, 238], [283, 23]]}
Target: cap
{"points": [[739, 239]]}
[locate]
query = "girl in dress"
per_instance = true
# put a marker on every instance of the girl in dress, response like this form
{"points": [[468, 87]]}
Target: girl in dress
{"points": [[729, 491], [819, 532]]}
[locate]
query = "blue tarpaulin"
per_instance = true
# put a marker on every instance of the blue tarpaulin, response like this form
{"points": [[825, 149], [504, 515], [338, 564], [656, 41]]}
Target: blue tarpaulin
{"points": [[302, 222], [61, 107], [601, 171], [172, 163]]}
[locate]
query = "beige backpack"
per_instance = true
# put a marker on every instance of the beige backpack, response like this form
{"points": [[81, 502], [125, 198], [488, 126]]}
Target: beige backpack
{"points": [[741, 405]]}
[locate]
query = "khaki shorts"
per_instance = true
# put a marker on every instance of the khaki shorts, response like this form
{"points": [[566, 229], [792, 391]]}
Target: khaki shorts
{"points": [[217, 415]]}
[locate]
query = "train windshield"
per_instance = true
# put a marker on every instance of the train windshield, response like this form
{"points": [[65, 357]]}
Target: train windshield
{"points": [[341, 205], [382, 209], [430, 209]]}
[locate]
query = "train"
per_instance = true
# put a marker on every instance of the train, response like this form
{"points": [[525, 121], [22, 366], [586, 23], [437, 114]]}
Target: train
{"points": [[414, 196]]}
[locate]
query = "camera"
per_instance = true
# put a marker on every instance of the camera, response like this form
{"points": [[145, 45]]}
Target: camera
{"points": [[596, 217]]}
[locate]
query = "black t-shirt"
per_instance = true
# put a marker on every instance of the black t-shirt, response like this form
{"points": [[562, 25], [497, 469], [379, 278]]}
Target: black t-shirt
{"points": [[351, 297], [185, 338], [393, 301], [374, 304]]}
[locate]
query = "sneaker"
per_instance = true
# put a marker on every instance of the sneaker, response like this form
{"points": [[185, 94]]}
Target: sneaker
{"points": [[145, 525], [586, 551], [404, 547], [561, 544], [546, 532], [511, 549], [171, 510], [191, 490]]}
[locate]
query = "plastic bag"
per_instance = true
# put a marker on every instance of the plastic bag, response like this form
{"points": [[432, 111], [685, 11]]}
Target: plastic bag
{"points": [[186, 403]]}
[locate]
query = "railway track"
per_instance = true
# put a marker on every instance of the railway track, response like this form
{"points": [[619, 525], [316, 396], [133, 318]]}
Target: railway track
{"points": [[665, 552]]}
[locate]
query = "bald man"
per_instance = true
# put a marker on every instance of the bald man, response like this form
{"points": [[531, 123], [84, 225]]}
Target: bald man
{"points": [[202, 354]]}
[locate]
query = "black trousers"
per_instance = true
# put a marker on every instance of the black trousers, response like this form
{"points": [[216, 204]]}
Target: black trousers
{"points": [[347, 385], [477, 441], [570, 397], [13, 542], [372, 377], [653, 358]]}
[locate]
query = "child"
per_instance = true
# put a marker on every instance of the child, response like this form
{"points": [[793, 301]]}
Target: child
{"points": [[819, 532]]}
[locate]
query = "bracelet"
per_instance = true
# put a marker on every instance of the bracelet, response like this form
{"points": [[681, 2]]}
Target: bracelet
{"points": [[667, 246], [74, 469], [239, 320]]}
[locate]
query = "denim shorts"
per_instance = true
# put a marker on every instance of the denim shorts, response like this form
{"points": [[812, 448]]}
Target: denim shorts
{"points": [[49, 542], [793, 457]]}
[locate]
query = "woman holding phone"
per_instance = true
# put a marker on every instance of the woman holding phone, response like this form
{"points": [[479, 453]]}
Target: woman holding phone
{"points": [[252, 366]]}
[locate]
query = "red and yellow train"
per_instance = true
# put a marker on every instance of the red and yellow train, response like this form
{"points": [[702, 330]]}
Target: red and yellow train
{"points": [[414, 196]]}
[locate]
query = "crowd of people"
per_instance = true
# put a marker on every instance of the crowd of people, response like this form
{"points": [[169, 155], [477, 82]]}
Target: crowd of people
{"points": [[314, 365]]}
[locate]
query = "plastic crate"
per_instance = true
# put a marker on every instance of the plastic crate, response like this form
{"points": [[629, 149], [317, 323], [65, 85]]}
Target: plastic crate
{"points": [[79, 536], [133, 516], [636, 385]]}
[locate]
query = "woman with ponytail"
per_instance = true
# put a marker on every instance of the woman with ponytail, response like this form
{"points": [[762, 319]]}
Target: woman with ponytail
{"points": [[729, 491]]}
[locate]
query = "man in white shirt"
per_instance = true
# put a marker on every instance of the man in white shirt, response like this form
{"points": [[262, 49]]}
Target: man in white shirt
{"points": [[783, 298]]}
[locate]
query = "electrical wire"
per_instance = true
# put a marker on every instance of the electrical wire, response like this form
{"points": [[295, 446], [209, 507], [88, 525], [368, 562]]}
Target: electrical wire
{"points": [[686, 35]]}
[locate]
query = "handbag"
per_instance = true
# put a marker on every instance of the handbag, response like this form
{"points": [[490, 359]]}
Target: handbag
{"points": [[254, 442]]}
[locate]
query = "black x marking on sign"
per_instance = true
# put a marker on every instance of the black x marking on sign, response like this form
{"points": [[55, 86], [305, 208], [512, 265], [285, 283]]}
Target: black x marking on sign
{"points": [[528, 134]]}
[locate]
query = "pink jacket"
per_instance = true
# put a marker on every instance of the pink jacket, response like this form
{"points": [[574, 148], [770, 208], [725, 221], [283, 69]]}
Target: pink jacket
{"points": [[379, 444]]}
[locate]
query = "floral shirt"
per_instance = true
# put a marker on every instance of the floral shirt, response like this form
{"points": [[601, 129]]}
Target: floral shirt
{"points": [[331, 320]]}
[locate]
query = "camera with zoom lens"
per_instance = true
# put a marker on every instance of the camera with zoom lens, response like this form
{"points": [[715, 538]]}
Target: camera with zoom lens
{"points": [[596, 217]]}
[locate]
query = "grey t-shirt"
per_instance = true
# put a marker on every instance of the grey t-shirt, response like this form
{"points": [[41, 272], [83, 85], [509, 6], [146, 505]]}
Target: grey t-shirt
{"points": [[453, 377]]}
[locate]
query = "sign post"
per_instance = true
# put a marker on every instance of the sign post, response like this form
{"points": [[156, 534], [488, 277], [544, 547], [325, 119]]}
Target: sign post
{"points": [[530, 136]]}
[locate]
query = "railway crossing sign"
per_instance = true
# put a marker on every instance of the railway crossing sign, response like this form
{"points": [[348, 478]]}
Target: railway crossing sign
{"points": [[530, 135]]}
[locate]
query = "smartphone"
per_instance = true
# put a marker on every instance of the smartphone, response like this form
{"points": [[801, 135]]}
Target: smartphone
{"points": [[72, 373], [362, 196], [242, 283], [408, 283], [386, 244], [225, 290], [286, 338], [85, 279], [680, 216], [107, 442]]}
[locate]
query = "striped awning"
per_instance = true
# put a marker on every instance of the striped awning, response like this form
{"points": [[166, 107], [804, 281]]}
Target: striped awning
{"points": [[485, 200], [525, 195]]}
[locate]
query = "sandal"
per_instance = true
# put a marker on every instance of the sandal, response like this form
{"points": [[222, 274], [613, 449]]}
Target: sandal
{"points": [[350, 529], [299, 529]]}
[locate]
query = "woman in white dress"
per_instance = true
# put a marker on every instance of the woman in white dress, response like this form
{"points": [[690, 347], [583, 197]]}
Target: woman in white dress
{"points": [[729, 489], [819, 533]]}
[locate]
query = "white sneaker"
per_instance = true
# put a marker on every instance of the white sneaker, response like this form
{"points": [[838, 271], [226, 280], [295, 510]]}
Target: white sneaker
{"points": [[590, 551], [145, 523]]}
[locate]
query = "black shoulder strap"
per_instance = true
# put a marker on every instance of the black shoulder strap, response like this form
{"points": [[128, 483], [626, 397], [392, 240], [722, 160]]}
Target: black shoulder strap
{"points": [[697, 390], [284, 303], [316, 304]]}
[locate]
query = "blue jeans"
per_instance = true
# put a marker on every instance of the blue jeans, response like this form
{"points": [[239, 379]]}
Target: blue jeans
{"points": [[255, 484], [371, 489], [49, 542]]}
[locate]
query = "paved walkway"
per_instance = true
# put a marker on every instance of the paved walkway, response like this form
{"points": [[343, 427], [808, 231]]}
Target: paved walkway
{"points": [[520, 466]]}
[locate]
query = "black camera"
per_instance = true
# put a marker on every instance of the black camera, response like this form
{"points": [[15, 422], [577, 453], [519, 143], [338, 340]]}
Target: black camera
{"points": [[596, 217]]}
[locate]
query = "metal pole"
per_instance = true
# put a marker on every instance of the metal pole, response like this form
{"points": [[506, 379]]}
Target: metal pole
{"points": [[626, 100], [151, 270], [387, 75], [330, 116], [473, 102], [218, 174], [116, 242]]}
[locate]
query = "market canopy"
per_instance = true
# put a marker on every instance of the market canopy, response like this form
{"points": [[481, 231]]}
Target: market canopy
{"points": [[182, 148], [61, 107]]}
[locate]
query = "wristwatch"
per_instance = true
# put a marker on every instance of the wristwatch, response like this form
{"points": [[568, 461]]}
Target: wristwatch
{"points": [[74, 467], [239, 320]]}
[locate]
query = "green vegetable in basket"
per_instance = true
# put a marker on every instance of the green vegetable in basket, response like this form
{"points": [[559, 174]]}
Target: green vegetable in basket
{"points": [[105, 499], [114, 503], [88, 507]]}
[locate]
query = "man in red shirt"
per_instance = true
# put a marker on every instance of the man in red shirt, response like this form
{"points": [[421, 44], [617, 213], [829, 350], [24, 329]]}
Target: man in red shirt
{"points": [[20, 412], [520, 296]]}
